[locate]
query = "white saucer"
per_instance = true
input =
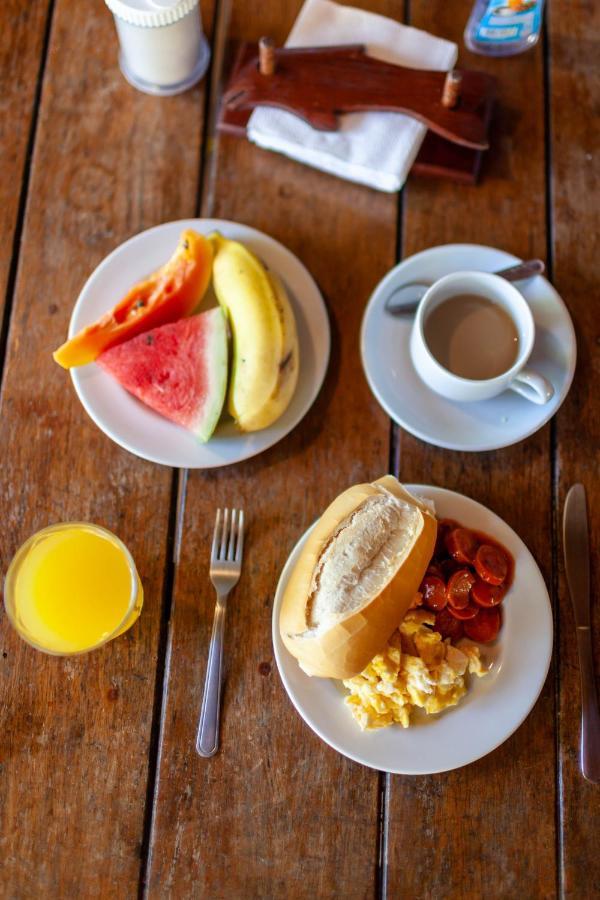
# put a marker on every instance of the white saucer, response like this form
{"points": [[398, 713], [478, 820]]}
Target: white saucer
{"points": [[139, 429], [493, 707], [488, 425]]}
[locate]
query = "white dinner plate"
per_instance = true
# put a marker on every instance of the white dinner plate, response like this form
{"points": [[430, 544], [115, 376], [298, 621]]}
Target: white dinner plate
{"points": [[494, 705], [486, 425], [135, 426]]}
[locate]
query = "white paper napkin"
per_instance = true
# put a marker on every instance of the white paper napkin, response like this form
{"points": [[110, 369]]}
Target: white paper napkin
{"points": [[372, 148]]}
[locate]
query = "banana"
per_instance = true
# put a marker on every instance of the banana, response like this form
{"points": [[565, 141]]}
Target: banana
{"points": [[248, 296], [289, 364]]}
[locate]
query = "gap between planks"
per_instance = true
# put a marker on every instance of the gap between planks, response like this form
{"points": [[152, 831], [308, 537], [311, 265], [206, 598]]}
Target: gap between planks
{"points": [[24, 194], [554, 473], [207, 162], [385, 779], [162, 670]]}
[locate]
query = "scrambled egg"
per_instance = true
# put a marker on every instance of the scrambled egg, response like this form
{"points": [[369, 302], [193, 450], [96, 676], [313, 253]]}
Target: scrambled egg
{"points": [[417, 668]]}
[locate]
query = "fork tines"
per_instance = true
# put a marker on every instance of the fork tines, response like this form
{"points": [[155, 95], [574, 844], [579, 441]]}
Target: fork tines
{"points": [[228, 536]]}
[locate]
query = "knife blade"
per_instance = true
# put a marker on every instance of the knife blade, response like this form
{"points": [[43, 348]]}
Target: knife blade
{"points": [[577, 566]]}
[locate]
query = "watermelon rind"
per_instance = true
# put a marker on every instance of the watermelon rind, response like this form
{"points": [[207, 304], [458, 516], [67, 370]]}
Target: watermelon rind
{"points": [[217, 370]]}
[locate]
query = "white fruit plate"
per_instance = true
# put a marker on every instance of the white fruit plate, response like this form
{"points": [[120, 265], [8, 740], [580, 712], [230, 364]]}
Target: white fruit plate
{"points": [[142, 431], [494, 705]]}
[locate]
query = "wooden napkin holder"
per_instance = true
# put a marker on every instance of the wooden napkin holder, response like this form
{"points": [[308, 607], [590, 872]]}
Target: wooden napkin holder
{"points": [[320, 83]]}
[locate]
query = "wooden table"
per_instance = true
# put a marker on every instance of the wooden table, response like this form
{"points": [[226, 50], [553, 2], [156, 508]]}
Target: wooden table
{"points": [[101, 791]]}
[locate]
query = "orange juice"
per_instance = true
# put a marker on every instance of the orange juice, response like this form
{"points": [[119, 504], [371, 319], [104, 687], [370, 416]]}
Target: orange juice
{"points": [[72, 587]]}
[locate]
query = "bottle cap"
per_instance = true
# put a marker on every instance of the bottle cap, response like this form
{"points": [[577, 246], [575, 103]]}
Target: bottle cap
{"points": [[151, 13]]}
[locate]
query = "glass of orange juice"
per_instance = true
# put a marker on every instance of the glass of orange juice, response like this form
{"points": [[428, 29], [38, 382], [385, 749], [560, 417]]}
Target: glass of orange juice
{"points": [[71, 588]]}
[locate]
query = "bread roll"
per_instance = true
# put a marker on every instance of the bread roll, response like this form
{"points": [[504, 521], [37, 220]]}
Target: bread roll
{"points": [[357, 575]]}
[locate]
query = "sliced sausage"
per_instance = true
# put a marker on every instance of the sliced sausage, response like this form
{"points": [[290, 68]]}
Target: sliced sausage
{"points": [[487, 595], [462, 545], [467, 612], [459, 587], [434, 592], [448, 626], [491, 564], [485, 626]]}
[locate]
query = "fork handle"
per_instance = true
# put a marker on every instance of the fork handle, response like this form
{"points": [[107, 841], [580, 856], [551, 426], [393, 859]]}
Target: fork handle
{"points": [[207, 739]]}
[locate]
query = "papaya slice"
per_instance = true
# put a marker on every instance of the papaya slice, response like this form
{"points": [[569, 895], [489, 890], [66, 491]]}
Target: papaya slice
{"points": [[166, 296]]}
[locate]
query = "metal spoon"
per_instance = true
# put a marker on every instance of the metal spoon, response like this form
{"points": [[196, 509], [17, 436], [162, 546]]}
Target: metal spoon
{"points": [[403, 301]]}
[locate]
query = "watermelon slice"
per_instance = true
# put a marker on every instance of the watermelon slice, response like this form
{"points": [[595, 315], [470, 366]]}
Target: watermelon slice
{"points": [[179, 370]]}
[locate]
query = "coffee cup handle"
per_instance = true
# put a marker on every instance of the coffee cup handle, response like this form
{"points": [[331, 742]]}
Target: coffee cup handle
{"points": [[532, 386]]}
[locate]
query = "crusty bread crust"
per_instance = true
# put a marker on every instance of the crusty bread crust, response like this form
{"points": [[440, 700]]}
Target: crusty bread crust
{"points": [[344, 650]]}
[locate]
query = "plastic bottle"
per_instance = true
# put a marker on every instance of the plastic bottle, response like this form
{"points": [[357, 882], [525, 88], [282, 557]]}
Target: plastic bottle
{"points": [[504, 27]]}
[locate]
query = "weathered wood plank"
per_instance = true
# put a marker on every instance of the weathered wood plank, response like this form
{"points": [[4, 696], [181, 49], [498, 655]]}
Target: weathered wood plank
{"points": [[108, 162], [574, 88], [487, 829], [22, 34], [276, 813]]}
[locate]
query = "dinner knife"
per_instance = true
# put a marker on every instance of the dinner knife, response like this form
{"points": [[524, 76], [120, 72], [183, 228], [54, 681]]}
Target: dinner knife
{"points": [[577, 565]]}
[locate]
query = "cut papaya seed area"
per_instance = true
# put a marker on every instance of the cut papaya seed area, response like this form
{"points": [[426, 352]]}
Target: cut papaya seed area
{"points": [[466, 582], [170, 294]]}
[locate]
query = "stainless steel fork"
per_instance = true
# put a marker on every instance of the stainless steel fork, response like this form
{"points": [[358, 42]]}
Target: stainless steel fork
{"points": [[225, 569]]}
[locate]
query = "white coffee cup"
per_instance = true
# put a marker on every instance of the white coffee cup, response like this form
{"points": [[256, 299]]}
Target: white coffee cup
{"points": [[524, 381]]}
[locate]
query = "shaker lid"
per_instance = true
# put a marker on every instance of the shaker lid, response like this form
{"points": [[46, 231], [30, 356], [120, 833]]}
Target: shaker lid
{"points": [[151, 13]]}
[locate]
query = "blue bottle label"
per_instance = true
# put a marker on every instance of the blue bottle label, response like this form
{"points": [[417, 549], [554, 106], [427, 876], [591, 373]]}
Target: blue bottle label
{"points": [[508, 21]]}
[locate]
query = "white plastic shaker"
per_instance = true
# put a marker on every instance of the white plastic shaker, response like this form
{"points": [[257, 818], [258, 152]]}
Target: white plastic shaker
{"points": [[163, 48]]}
